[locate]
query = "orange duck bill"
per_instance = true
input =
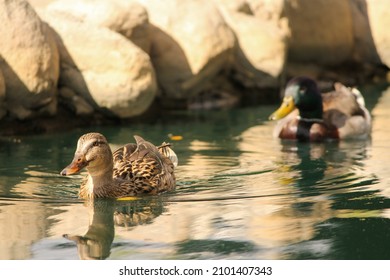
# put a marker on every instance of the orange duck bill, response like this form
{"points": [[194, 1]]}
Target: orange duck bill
{"points": [[78, 163]]}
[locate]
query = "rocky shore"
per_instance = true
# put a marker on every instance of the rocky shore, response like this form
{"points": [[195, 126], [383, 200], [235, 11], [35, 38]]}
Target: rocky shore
{"points": [[98, 61]]}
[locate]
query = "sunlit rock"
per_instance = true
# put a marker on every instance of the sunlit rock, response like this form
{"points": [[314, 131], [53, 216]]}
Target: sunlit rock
{"points": [[365, 51], [321, 31], [3, 109], [191, 44], [379, 17], [74, 102], [261, 50], [126, 17], [31, 62], [103, 67]]}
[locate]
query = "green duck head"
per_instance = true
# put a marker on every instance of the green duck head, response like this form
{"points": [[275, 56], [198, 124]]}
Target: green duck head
{"points": [[301, 93]]}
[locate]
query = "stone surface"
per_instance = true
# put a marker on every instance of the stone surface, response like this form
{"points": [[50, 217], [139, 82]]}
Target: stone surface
{"points": [[103, 67], [268, 10], [261, 52], [364, 49], [191, 44], [379, 20], [126, 17], [31, 62], [3, 109], [76, 103], [321, 31]]}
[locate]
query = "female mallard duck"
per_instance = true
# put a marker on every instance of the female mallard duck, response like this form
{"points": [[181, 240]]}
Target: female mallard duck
{"points": [[132, 170], [308, 115]]}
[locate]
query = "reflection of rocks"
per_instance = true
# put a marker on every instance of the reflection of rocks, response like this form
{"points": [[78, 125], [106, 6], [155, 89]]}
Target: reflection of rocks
{"points": [[23, 223], [381, 131]]}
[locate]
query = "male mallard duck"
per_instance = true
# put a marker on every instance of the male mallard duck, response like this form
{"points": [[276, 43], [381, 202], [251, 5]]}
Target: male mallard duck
{"points": [[133, 169], [308, 115]]}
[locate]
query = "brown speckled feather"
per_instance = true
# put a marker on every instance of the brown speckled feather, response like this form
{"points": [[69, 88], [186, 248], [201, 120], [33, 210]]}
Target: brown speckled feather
{"points": [[143, 168], [134, 169]]}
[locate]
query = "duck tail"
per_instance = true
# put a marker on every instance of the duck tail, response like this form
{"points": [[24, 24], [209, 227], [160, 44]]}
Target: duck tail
{"points": [[165, 149], [359, 97]]}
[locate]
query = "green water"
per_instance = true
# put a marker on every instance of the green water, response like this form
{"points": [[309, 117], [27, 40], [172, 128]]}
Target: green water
{"points": [[241, 194]]}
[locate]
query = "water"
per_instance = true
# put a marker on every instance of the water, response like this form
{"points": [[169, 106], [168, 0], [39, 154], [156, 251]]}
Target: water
{"points": [[241, 194]]}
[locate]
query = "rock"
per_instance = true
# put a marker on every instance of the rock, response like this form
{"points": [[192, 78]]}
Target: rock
{"points": [[74, 102], [261, 52], [378, 14], [3, 110], [103, 67], [126, 17], [39, 3], [364, 50], [191, 44], [321, 31], [267, 10], [31, 62]]}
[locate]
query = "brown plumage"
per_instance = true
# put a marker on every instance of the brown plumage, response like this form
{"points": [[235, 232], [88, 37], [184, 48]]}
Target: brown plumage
{"points": [[134, 169]]}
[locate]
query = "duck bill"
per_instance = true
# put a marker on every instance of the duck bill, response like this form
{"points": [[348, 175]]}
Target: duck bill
{"points": [[286, 108], [78, 163]]}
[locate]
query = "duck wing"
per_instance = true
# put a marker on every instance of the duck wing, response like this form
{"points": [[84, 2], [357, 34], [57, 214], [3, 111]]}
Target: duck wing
{"points": [[143, 165], [344, 109], [340, 104], [343, 100]]}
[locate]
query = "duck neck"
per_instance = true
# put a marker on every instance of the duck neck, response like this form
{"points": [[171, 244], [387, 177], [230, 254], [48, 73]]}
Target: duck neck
{"points": [[99, 179], [311, 113]]}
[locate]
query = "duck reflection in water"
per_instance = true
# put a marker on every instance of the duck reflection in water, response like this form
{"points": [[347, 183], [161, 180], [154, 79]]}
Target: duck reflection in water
{"points": [[311, 164], [318, 164], [96, 243], [104, 216]]}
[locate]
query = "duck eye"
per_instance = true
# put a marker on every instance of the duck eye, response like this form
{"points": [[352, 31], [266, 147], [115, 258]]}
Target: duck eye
{"points": [[96, 143], [302, 90]]}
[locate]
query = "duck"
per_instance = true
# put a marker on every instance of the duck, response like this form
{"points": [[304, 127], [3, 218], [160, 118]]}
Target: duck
{"points": [[308, 115], [132, 170]]}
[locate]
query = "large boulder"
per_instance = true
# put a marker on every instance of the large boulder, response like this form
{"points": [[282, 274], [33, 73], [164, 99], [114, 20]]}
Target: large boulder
{"points": [[365, 51], [262, 43], [321, 31], [103, 67], [191, 44], [378, 12], [126, 17], [31, 61], [267, 10], [3, 109]]}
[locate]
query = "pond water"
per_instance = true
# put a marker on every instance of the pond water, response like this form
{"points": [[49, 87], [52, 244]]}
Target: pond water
{"points": [[241, 194]]}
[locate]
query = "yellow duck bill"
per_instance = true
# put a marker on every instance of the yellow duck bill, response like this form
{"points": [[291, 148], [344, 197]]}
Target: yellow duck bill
{"points": [[286, 108]]}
